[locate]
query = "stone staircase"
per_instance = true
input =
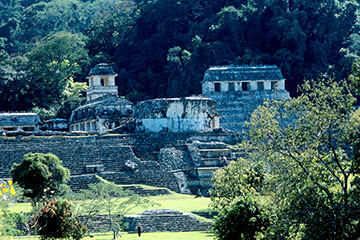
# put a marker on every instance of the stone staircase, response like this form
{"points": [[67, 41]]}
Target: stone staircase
{"points": [[166, 220], [212, 155]]}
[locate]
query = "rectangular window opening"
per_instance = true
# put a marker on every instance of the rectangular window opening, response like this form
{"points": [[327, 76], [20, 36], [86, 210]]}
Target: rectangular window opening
{"points": [[274, 85], [245, 86], [217, 87]]}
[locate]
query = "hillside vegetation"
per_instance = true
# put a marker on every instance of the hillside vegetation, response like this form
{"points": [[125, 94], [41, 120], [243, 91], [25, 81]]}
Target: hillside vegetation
{"points": [[161, 48]]}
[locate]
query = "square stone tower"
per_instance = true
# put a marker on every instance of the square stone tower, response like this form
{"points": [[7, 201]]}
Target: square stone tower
{"points": [[101, 82], [239, 90]]}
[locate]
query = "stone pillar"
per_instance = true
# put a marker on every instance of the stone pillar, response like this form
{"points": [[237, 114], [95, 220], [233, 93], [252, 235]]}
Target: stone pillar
{"points": [[90, 127], [281, 85], [208, 87], [111, 81], [237, 86], [267, 85], [224, 87], [253, 86], [96, 80]]}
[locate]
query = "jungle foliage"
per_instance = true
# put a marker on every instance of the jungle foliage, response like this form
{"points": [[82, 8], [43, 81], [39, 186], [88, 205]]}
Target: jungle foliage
{"points": [[161, 48]]}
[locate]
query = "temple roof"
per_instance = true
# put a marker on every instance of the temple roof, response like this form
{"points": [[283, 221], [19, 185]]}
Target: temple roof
{"points": [[102, 69], [110, 107], [243, 73]]}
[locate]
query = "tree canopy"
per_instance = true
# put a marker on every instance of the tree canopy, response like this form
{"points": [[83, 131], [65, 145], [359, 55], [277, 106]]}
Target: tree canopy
{"points": [[303, 157], [40, 175]]}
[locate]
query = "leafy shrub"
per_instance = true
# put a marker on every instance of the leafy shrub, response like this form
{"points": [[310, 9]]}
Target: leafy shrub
{"points": [[56, 220]]}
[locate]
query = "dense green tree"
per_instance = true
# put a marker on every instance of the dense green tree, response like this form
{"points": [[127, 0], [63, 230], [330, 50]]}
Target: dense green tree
{"points": [[249, 181], [239, 194], [40, 175], [354, 78], [53, 63], [16, 85]]}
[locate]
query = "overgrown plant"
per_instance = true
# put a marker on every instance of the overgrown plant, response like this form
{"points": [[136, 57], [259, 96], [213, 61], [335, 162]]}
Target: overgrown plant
{"points": [[7, 220]]}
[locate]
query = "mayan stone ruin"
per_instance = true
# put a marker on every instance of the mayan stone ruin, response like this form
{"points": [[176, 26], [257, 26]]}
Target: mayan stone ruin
{"points": [[177, 143]]}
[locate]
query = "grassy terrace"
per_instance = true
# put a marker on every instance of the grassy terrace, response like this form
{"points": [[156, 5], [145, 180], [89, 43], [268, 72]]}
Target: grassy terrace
{"points": [[175, 201]]}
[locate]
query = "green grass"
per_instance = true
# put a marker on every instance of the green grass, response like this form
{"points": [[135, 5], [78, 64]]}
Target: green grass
{"points": [[175, 201], [148, 236]]}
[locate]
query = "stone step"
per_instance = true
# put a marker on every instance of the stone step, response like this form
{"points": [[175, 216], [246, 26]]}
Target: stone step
{"points": [[206, 172], [215, 162], [214, 153], [229, 105], [165, 220], [211, 145], [234, 128]]}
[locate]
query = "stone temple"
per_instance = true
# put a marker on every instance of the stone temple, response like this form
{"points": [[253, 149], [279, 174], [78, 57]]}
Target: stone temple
{"points": [[239, 90]]}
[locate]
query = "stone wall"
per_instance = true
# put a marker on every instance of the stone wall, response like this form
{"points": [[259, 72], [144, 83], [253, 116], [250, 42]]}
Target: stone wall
{"points": [[123, 159], [190, 114], [111, 157], [236, 108]]}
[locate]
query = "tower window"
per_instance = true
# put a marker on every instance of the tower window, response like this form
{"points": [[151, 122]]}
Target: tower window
{"points": [[102, 82], [260, 86], [273, 85]]}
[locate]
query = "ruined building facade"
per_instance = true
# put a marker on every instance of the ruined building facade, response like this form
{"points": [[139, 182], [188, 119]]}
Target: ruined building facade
{"points": [[190, 114], [19, 121]]}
